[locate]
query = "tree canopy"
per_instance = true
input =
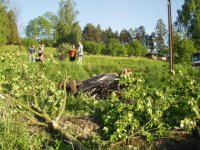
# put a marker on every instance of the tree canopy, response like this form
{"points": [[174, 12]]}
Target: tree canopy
{"points": [[8, 25], [160, 35], [39, 28], [68, 29], [189, 20]]}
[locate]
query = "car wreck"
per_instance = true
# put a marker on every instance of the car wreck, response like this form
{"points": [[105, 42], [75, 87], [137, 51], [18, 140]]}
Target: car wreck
{"points": [[100, 86]]}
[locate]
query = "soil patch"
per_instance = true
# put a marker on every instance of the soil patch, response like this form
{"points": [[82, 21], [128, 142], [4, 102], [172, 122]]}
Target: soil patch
{"points": [[85, 127]]}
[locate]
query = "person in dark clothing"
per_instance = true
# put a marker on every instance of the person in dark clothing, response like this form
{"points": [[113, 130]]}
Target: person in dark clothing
{"points": [[31, 53], [62, 56]]}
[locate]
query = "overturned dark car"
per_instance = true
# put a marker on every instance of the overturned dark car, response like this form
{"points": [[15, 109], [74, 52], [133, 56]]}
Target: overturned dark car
{"points": [[99, 86]]}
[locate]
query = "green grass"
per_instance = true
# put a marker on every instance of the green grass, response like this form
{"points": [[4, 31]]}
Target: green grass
{"points": [[14, 133], [93, 64]]}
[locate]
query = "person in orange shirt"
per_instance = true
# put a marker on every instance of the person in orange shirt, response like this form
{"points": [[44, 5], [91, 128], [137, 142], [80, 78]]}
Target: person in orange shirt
{"points": [[72, 53]]}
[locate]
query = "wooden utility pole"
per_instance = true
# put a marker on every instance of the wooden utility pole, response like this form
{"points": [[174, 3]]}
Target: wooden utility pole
{"points": [[171, 57]]}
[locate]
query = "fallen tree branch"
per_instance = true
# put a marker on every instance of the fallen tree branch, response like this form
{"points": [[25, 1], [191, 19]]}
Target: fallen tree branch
{"points": [[49, 123], [64, 103], [32, 123], [76, 144]]}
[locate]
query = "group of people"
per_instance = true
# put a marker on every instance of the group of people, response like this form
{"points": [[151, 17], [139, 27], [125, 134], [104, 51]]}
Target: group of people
{"points": [[31, 53], [72, 53]]}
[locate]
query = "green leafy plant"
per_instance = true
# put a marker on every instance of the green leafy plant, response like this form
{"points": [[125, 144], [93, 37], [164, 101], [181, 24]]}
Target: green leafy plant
{"points": [[64, 48], [151, 112]]}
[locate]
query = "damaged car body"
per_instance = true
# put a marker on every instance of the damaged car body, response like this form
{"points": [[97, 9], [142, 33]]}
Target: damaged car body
{"points": [[100, 86]]}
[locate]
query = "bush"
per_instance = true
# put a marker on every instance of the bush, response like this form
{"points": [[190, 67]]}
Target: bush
{"points": [[184, 48], [28, 42], [64, 48], [135, 48], [115, 48], [93, 47], [47, 43], [150, 112]]}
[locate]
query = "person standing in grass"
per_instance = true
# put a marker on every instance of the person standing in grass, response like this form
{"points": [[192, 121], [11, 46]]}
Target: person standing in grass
{"points": [[72, 54], [42, 47], [80, 53], [62, 56], [39, 50], [31, 53], [41, 57]]}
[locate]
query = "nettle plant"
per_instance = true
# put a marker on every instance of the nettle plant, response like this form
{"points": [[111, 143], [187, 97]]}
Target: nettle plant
{"points": [[26, 83], [185, 107], [151, 112]]}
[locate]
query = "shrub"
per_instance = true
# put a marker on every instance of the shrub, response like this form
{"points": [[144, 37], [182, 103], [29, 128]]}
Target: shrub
{"points": [[64, 48], [150, 112], [28, 42], [93, 47], [136, 48], [115, 48], [184, 48]]}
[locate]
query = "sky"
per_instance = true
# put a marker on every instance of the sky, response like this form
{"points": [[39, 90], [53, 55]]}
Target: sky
{"points": [[117, 14]]}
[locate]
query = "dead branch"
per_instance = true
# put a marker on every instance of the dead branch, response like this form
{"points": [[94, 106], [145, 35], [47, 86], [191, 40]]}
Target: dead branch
{"points": [[64, 103], [37, 124]]}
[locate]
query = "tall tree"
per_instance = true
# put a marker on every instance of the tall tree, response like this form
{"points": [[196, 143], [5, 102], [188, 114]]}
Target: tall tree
{"points": [[14, 37], [160, 35], [92, 33], [125, 36], [89, 32], [8, 24], [109, 34], [39, 29], [99, 34], [132, 33], [52, 18], [68, 29], [149, 42], [4, 23], [189, 20], [140, 34]]}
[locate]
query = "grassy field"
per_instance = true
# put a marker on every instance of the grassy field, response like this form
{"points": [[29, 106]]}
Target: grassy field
{"points": [[92, 64], [153, 70]]}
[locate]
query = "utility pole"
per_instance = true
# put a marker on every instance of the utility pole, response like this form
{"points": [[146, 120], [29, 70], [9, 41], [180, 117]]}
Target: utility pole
{"points": [[171, 57]]}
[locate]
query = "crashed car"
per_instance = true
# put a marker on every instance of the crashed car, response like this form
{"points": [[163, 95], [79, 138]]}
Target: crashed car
{"points": [[99, 86]]}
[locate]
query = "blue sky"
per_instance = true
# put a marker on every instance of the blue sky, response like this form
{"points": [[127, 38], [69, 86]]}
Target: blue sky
{"points": [[118, 14]]}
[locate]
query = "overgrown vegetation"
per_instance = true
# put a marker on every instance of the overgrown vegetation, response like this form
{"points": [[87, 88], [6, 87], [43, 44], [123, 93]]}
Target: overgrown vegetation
{"points": [[152, 105], [151, 112], [35, 114]]}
